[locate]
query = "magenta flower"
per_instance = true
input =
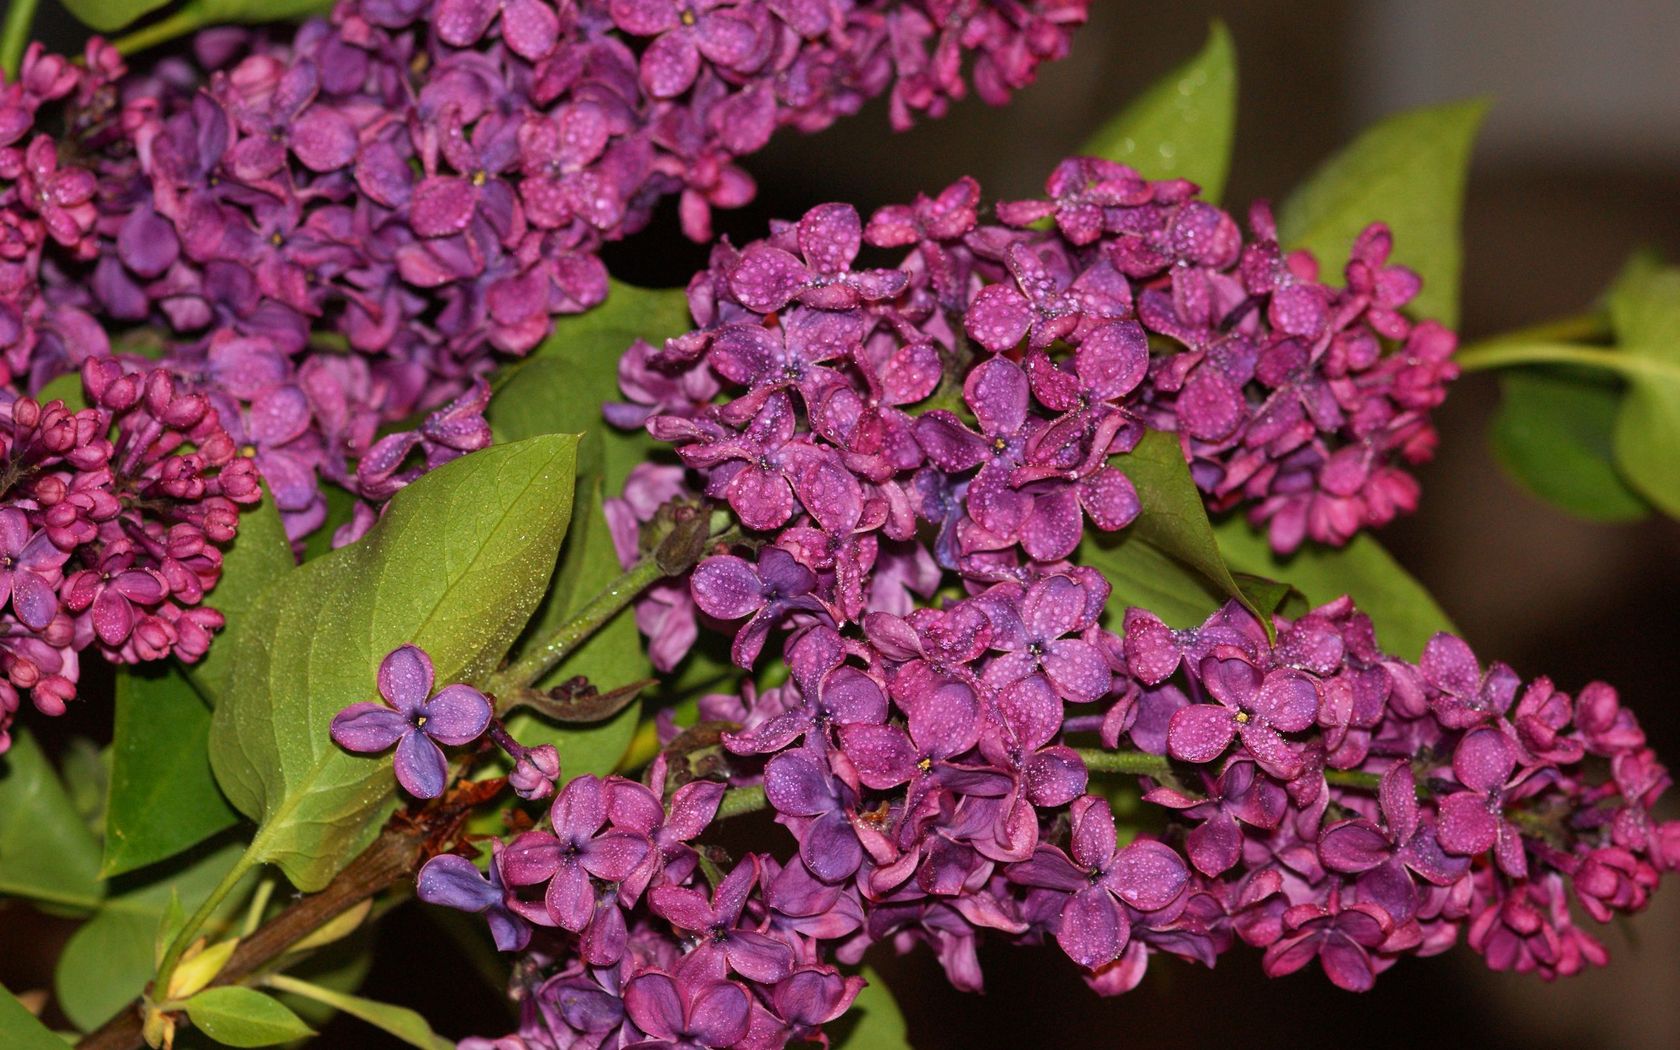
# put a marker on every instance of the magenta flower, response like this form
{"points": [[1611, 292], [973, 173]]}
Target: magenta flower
{"points": [[767, 277], [1254, 705], [685, 32], [689, 1012], [1341, 938], [1473, 820], [756, 956], [30, 566], [416, 721], [1101, 882], [580, 849]]}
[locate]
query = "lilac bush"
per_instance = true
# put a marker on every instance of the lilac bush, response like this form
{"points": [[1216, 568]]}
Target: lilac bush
{"points": [[954, 537]]}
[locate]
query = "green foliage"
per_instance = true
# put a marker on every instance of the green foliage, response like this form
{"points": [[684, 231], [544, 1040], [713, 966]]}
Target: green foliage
{"points": [[110, 957], [105, 16], [243, 1017], [19, 1029], [1182, 127], [47, 852], [163, 796], [1404, 613], [1168, 560], [1555, 434], [1409, 172], [456, 566]]}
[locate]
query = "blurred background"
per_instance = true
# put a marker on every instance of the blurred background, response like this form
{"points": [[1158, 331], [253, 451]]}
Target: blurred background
{"points": [[1578, 165]]}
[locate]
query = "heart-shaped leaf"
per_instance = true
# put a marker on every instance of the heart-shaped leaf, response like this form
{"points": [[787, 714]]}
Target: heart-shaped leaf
{"points": [[1645, 314], [1555, 433], [47, 852], [110, 957], [456, 566]]}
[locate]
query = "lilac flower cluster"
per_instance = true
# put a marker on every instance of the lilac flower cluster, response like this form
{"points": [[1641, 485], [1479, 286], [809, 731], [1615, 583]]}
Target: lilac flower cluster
{"points": [[336, 233], [946, 768], [949, 772], [111, 521], [1033, 350]]}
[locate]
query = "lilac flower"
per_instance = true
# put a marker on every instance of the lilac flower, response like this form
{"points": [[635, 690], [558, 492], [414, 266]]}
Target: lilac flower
{"points": [[1473, 820], [828, 238], [1030, 631], [1242, 794], [579, 848], [30, 567], [454, 882], [1100, 877], [1341, 938], [756, 956], [1256, 705], [729, 588], [819, 807], [416, 721], [688, 1012]]}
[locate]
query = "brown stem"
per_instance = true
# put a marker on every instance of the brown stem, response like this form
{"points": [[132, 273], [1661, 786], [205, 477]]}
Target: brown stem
{"points": [[393, 855]]}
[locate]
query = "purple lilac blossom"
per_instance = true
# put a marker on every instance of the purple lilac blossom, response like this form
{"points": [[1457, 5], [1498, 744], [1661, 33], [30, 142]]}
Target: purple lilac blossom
{"points": [[415, 720]]}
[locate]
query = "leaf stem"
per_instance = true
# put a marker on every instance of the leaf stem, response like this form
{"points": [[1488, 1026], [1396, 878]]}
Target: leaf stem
{"points": [[14, 35], [1160, 767], [184, 936]]}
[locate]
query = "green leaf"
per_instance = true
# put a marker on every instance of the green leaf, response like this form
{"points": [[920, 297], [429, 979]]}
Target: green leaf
{"points": [[1645, 313], [163, 796], [1182, 127], [1554, 433], [258, 556], [21, 1030], [456, 566], [110, 957], [1409, 172], [396, 1021], [1168, 560], [1404, 613], [105, 16], [874, 1022], [243, 1017], [47, 853]]}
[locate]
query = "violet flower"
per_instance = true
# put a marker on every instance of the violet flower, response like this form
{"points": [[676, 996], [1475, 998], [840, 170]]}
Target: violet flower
{"points": [[416, 721]]}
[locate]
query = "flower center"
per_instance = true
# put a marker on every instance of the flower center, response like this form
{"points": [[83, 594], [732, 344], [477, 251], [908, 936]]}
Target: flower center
{"points": [[1242, 718]]}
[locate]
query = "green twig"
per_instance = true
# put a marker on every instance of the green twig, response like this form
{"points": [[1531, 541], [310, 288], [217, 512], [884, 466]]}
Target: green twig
{"points": [[738, 801], [14, 35], [1509, 355], [548, 652], [187, 20], [1160, 767]]}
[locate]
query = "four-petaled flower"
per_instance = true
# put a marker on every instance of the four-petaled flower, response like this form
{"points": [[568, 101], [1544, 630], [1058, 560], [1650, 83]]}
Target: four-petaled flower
{"points": [[416, 720]]}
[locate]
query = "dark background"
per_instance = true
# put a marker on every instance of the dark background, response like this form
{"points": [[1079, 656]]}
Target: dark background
{"points": [[1577, 167]]}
